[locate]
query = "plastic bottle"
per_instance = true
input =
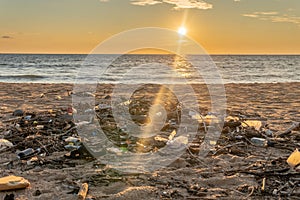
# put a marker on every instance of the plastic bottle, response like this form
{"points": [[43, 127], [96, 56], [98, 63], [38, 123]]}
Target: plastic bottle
{"points": [[27, 152], [259, 142]]}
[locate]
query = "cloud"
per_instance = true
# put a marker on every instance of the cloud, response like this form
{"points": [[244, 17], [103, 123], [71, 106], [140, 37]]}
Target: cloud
{"points": [[285, 18], [144, 2], [274, 17], [179, 4], [6, 37], [250, 15], [259, 14], [266, 13]]}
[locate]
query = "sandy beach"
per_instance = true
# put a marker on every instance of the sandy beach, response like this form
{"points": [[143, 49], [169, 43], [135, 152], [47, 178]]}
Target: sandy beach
{"points": [[149, 100], [278, 102], [216, 176]]}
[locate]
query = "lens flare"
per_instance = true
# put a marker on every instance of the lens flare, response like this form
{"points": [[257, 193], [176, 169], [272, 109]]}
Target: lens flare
{"points": [[182, 30]]}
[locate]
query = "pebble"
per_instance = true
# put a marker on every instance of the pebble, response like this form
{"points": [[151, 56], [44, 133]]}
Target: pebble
{"points": [[18, 113], [5, 143]]}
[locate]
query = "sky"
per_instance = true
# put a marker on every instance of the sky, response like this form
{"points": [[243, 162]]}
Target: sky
{"points": [[219, 26]]}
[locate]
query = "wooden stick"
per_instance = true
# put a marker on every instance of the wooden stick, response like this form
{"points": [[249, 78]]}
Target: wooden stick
{"points": [[263, 187], [83, 191], [228, 146], [12, 119], [289, 130]]}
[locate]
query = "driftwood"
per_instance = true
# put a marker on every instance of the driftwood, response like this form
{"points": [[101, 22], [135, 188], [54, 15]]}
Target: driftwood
{"points": [[83, 191]]}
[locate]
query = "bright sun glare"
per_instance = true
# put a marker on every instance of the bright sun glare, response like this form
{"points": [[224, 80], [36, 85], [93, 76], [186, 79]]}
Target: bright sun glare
{"points": [[182, 30]]}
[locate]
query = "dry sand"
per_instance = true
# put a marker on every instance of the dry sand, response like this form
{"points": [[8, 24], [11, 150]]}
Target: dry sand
{"points": [[216, 176]]}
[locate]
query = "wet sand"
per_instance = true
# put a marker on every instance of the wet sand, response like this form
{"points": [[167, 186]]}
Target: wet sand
{"points": [[278, 102]]}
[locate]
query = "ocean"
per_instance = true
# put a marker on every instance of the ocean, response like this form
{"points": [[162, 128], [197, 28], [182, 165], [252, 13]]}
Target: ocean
{"points": [[46, 68]]}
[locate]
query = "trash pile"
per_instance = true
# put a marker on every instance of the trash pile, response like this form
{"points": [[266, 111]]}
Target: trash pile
{"points": [[139, 114], [32, 137]]}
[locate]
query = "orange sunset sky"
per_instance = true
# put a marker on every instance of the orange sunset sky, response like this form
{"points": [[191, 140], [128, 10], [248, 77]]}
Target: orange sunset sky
{"points": [[220, 26]]}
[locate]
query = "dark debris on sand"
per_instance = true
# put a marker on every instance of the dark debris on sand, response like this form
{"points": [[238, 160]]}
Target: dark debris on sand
{"points": [[237, 167]]}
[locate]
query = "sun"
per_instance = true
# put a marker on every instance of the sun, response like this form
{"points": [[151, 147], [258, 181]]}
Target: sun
{"points": [[182, 30]]}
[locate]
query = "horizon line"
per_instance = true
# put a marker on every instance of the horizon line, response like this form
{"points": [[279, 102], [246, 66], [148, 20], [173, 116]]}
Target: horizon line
{"points": [[221, 54]]}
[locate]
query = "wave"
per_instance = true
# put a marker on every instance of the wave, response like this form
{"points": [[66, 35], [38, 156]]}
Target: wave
{"points": [[26, 76]]}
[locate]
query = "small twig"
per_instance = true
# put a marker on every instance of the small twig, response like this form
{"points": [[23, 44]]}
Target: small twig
{"points": [[67, 132], [196, 157], [238, 192], [228, 146], [273, 173], [44, 147], [12, 119], [283, 186], [203, 121], [288, 130], [250, 194]]}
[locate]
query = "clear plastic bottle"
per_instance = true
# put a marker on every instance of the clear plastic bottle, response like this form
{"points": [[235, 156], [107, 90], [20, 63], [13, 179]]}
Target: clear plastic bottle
{"points": [[259, 141], [28, 153], [25, 153]]}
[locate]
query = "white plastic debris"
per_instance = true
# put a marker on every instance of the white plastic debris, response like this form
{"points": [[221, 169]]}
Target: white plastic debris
{"points": [[89, 111], [82, 123], [28, 117], [159, 114], [178, 141], [18, 127], [207, 119], [72, 139], [181, 140], [125, 103], [39, 127], [114, 150], [5, 144], [103, 106], [71, 147]]}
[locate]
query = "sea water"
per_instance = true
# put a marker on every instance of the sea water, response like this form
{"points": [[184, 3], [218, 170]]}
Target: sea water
{"points": [[45, 68]]}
